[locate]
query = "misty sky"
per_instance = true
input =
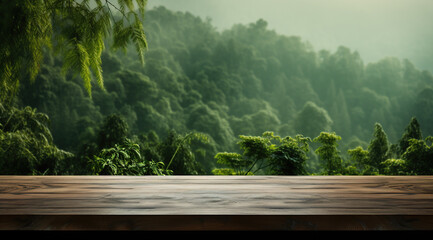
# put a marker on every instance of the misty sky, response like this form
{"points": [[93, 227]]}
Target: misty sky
{"points": [[374, 28]]}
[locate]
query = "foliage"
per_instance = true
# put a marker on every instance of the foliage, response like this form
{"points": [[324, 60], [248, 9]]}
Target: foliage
{"points": [[412, 131], [234, 161], [289, 158], [423, 103], [419, 156], [115, 153], [225, 171], [414, 160], [378, 147], [177, 154], [26, 145], [328, 153], [269, 153], [76, 30], [360, 159], [242, 81], [113, 131], [312, 120], [393, 166], [125, 159]]}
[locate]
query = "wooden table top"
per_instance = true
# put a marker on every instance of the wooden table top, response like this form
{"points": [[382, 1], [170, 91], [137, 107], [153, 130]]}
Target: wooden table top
{"points": [[216, 202]]}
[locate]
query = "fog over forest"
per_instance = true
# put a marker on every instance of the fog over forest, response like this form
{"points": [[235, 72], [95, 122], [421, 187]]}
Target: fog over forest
{"points": [[374, 28], [223, 87]]}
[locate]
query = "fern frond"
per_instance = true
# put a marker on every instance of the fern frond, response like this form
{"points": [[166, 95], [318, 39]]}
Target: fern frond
{"points": [[84, 67], [95, 51], [97, 71], [141, 5], [77, 57], [121, 35], [139, 39], [126, 3], [68, 25]]}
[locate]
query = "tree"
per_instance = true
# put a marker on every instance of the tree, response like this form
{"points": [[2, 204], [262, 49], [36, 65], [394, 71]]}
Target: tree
{"points": [[26, 144], [135, 85], [419, 156], [266, 153], [412, 131], [378, 147], [114, 130], [359, 157], [312, 120], [234, 161], [125, 159], [340, 115], [344, 67], [204, 119], [330, 156], [423, 108], [289, 158], [76, 30], [257, 149], [384, 76], [393, 166], [178, 156]]}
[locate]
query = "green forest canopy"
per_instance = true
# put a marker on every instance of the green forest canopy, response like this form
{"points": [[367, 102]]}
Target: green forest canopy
{"points": [[344, 116]]}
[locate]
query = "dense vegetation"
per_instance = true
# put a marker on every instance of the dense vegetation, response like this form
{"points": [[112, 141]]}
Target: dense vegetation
{"points": [[242, 101]]}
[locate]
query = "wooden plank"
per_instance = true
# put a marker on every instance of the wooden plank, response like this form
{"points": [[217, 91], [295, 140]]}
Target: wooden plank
{"points": [[216, 202]]}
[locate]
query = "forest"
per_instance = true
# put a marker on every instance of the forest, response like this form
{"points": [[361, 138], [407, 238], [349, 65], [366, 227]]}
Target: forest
{"points": [[241, 101]]}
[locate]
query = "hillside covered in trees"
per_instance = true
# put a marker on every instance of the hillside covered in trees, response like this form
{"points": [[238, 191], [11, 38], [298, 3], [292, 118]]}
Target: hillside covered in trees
{"points": [[246, 100]]}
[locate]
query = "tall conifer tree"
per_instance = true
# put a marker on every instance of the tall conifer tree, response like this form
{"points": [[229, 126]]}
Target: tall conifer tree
{"points": [[412, 131], [379, 146]]}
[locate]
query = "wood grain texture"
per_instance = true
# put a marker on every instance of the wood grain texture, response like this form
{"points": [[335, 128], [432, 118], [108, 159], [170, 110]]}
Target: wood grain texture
{"points": [[216, 202]]}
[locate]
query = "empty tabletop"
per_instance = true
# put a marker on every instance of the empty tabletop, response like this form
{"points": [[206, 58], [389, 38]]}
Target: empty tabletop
{"points": [[216, 202]]}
